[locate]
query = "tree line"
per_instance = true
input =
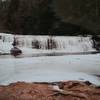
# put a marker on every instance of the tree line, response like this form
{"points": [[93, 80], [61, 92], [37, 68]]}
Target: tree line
{"points": [[51, 17]]}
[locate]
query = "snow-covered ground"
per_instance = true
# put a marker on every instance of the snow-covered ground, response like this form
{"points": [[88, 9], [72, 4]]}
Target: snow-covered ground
{"points": [[50, 68]]}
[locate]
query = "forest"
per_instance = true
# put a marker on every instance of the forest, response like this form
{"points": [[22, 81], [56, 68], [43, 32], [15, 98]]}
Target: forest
{"points": [[50, 17]]}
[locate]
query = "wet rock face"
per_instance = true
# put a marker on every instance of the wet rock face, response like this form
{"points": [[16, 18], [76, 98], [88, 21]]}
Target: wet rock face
{"points": [[15, 51], [71, 90]]}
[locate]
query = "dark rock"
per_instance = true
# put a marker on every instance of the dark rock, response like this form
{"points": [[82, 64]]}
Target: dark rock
{"points": [[15, 51], [96, 42], [87, 83]]}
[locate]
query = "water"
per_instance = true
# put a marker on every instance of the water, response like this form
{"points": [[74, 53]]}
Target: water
{"points": [[47, 58], [66, 44]]}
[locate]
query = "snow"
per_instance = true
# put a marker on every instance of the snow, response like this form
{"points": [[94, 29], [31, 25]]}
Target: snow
{"points": [[5, 43], [50, 68], [63, 43], [5, 47]]}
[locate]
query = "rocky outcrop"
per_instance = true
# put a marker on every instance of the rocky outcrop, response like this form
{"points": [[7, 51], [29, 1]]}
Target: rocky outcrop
{"points": [[71, 90], [15, 51]]}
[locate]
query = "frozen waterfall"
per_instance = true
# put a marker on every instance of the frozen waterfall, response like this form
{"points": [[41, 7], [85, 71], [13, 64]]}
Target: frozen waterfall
{"points": [[67, 44]]}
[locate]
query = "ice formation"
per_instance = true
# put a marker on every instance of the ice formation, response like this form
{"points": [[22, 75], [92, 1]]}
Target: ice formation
{"points": [[28, 43]]}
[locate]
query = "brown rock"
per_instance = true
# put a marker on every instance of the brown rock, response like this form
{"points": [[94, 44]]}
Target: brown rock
{"points": [[71, 90], [15, 51]]}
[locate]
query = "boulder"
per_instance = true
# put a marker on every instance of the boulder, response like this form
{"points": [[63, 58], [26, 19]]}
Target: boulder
{"points": [[15, 51]]}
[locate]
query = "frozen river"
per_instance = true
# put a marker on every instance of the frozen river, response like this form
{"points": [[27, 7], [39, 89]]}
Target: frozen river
{"points": [[48, 58], [50, 68]]}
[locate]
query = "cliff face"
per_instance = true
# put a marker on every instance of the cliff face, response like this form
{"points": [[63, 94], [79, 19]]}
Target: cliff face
{"points": [[71, 90]]}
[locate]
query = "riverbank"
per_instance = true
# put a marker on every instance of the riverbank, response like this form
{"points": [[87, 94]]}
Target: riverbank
{"points": [[69, 90]]}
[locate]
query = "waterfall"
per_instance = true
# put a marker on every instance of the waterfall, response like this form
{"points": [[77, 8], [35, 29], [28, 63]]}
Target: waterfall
{"points": [[57, 43]]}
